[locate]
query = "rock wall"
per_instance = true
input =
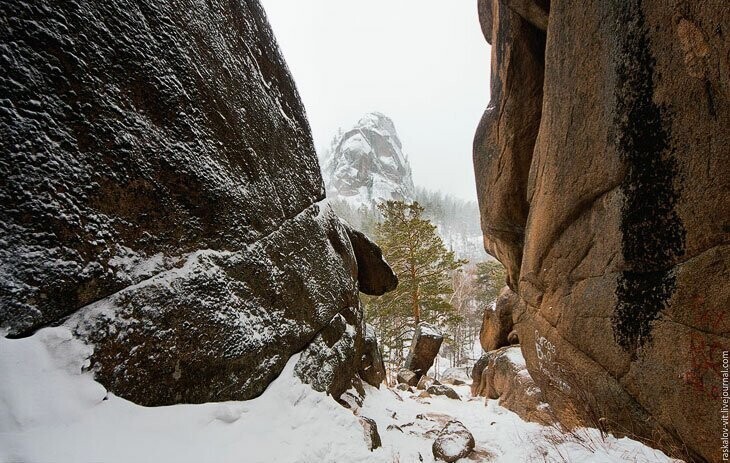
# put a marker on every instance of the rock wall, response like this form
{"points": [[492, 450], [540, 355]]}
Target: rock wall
{"points": [[160, 195], [603, 178]]}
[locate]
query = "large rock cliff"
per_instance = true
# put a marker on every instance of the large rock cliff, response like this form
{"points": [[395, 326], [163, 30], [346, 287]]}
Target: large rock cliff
{"points": [[160, 195], [366, 164], [603, 177]]}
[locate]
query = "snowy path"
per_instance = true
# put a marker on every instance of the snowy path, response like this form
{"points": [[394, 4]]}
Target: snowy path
{"points": [[52, 412]]}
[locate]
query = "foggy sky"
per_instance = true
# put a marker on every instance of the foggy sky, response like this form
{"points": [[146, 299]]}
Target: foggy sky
{"points": [[423, 63]]}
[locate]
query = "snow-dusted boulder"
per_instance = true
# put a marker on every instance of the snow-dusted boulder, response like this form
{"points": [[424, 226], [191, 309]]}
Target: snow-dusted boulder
{"points": [[372, 436], [407, 377], [440, 389], [502, 374], [425, 346], [453, 442], [160, 187]]}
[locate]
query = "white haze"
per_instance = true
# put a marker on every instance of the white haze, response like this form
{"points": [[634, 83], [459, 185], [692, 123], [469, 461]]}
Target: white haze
{"points": [[424, 63]]}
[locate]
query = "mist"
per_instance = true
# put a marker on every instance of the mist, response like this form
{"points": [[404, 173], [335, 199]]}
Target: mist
{"points": [[423, 64]]}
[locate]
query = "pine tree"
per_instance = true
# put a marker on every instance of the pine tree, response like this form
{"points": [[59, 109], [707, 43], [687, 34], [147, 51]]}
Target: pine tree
{"points": [[424, 267]]}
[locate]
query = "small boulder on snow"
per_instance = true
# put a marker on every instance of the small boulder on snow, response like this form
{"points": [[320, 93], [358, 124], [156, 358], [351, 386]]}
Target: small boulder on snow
{"points": [[440, 389], [502, 374], [372, 436], [407, 377], [424, 348], [425, 382], [453, 442]]}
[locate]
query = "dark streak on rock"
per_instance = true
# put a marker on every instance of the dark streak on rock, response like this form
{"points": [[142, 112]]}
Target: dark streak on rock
{"points": [[653, 235]]}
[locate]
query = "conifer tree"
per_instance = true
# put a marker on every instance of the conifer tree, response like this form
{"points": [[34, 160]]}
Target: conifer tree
{"points": [[424, 266]]}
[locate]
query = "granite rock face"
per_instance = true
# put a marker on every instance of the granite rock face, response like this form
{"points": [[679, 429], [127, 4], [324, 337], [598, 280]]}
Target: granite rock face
{"points": [[502, 374], [366, 164], [497, 324], [160, 195], [602, 174]]}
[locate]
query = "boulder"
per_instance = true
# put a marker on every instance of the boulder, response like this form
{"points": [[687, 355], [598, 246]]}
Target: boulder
{"points": [[453, 442], [374, 276], [424, 348], [403, 387], [597, 166], [372, 368], [497, 323], [454, 376], [162, 198], [372, 436], [425, 382], [440, 389], [476, 372], [407, 377], [505, 377]]}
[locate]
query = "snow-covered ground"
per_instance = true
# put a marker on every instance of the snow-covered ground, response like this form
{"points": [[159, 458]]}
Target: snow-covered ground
{"points": [[51, 411]]}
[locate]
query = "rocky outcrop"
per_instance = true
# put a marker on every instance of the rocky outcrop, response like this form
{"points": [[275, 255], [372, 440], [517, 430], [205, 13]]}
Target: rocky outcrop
{"points": [[602, 177], [160, 196], [497, 324], [374, 276], [372, 367], [502, 374], [424, 348], [453, 442], [366, 164]]}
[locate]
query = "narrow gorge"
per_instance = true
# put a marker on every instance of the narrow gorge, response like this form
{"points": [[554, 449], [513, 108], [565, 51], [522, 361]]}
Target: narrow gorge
{"points": [[176, 283]]}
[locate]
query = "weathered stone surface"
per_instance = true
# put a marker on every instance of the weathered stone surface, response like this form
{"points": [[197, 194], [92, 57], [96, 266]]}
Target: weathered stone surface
{"points": [[332, 359], [407, 377], [505, 377], [506, 133], [497, 324], [607, 200], [440, 389], [160, 186], [372, 368], [424, 348], [372, 436], [374, 276], [453, 442]]}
